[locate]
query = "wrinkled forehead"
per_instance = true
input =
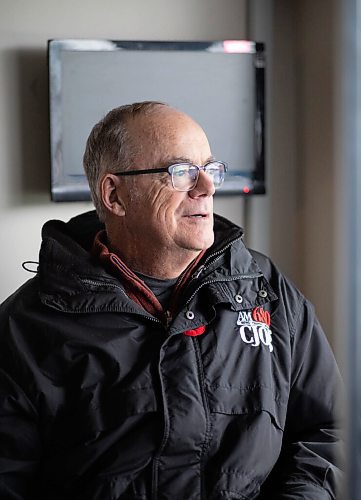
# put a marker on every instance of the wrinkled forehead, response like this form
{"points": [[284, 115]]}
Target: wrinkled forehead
{"points": [[168, 133]]}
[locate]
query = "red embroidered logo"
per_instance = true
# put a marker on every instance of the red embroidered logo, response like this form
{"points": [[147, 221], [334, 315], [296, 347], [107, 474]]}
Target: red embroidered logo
{"points": [[261, 316], [197, 331]]}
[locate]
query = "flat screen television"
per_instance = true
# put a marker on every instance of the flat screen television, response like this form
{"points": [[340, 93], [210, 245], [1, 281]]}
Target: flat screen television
{"points": [[220, 84]]}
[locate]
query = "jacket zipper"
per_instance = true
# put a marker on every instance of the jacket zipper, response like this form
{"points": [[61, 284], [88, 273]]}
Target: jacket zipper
{"points": [[211, 259], [217, 254], [102, 284], [207, 437], [113, 285], [233, 278], [155, 465]]}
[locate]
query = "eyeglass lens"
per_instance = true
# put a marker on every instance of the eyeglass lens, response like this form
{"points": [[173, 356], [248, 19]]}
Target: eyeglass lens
{"points": [[185, 176]]}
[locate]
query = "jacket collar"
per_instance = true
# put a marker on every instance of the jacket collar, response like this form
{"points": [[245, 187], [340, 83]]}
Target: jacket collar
{"points": [[70, 275], [135, 287]]}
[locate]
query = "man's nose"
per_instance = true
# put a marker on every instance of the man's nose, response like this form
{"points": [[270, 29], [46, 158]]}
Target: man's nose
{"points": [[204, 186]]}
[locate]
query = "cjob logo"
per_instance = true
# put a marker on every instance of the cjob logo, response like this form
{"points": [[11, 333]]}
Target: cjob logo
{"points": [[254, 327]]}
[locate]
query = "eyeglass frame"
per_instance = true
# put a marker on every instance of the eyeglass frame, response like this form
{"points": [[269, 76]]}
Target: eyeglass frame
{"points": [[169, 170]]}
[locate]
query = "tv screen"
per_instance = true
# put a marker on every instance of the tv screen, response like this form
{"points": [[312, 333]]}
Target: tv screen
{"points": [[220, 84]]}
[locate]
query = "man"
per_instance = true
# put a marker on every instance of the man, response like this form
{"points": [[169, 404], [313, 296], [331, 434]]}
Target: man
{"points": [[154, 356]]}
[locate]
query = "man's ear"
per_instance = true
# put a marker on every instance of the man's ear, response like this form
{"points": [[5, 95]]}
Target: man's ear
{"points": [[110, 195]]}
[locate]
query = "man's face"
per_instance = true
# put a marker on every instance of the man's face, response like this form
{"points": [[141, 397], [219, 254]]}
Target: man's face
{"points": [[157, 215]]}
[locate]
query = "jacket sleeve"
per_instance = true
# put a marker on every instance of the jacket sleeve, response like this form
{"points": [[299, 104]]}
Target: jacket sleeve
{"points": [[20, 442], [308, 468]]}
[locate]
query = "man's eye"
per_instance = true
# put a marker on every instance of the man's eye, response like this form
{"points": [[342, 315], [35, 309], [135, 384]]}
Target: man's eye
{"points": [[212, 171], [181, 173]]}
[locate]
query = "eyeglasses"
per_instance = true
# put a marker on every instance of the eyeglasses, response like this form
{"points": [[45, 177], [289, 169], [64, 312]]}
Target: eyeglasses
{"points": [[185, 176]]}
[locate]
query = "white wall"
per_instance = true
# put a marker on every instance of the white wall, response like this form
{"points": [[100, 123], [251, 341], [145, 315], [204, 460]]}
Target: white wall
{"points": [[299, 214], [294, 223], [316, 158], [25, 27]]}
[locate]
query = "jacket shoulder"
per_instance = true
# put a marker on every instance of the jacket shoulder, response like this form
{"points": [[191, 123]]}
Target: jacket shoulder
{"points": [[273, 274], [265, 263], [24, 298]]}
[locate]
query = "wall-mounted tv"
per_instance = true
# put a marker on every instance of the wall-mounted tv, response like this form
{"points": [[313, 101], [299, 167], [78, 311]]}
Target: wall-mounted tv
{"points": [[220, 84]]}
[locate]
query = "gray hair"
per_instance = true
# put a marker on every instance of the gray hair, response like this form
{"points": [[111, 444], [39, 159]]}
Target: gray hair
{"points": [[110, 147]]}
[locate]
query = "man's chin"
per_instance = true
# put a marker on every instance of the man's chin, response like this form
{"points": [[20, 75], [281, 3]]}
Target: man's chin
{"points": [[202, 243]]}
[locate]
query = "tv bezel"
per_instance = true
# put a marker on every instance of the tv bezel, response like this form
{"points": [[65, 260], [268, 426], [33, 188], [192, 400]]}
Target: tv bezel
{"points": [[242, 183]]}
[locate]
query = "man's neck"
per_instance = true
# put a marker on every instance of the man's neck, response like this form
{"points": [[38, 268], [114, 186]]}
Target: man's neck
{"points": [[157, 264]]}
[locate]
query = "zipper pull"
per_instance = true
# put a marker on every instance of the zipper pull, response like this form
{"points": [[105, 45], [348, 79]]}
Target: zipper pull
{"points": [[198, 272]]}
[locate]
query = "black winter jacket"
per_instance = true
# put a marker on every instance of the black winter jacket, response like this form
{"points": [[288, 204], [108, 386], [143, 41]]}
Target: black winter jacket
{"points": [[100, 401]]}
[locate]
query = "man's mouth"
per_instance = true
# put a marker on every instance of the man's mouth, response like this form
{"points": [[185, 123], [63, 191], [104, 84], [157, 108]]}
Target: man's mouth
{"points": [[197, 216]]}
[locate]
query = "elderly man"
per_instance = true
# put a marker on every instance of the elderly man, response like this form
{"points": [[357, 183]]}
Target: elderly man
{"points": [[153, 356]]}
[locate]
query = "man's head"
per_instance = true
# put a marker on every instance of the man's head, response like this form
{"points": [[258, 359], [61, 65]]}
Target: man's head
{"points": [[146, 218], [110, 147]]}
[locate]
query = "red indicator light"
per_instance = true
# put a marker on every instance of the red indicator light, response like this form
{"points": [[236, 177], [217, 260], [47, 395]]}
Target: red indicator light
{"points": [[246, 190]]}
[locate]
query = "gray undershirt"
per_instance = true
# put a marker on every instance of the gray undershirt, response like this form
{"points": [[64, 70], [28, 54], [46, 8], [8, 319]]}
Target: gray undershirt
{"points": [[162, 289]]}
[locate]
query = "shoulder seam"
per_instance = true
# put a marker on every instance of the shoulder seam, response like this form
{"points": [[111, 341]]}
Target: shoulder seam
{"points": [[297, 316]]}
